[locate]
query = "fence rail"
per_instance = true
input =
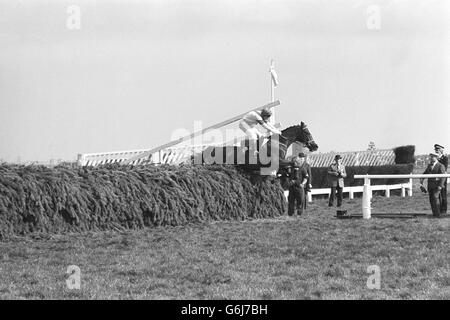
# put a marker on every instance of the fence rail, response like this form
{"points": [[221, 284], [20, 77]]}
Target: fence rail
{"points": [[404, 187], [167, 153], [367, 189]]}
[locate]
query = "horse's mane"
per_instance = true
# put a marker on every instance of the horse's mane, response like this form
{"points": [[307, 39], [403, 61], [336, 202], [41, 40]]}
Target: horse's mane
{"points": [[295, 126]]}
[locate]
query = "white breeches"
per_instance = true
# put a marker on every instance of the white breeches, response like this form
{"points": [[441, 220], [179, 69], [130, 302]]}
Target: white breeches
{"points": [[251, 132]]}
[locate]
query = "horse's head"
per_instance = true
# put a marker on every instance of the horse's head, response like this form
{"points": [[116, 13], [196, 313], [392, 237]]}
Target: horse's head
{"points": [[306, 138], [300, 133]]}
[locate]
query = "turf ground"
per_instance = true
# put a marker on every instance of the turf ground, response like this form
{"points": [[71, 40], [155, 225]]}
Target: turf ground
{"points": [[315, 256]]}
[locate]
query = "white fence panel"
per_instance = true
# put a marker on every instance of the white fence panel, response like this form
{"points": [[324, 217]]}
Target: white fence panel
{"points": [[359, 189], [367, 193], [358, 158]]}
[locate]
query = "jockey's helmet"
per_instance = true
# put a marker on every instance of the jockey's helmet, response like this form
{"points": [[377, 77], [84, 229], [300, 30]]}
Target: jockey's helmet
{"points": [[266, 113]]}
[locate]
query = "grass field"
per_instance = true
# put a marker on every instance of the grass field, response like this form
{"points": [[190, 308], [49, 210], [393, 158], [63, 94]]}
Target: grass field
{"points": [[315, 256]]}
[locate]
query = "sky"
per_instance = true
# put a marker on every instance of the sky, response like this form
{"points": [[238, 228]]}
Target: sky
{"points": [[135, 72]]}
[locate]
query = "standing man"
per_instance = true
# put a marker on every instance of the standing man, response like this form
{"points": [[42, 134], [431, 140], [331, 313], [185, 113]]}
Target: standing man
{"points": [[307, 167], [444, 160], [336, 175], [297, 182], [434, 185]]}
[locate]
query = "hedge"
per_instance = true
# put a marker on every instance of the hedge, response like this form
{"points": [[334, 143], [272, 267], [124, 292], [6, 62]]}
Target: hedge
{"points": [[405, 154], [59, 200]]}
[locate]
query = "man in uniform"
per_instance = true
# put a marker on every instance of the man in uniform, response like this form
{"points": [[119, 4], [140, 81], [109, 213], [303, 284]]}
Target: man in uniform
{"points": [[434, 185], [297, 182], [444, 160]]}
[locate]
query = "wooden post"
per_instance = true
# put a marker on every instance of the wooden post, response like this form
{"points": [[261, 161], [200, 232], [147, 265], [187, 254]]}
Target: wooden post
{"points": [[366, 210]]}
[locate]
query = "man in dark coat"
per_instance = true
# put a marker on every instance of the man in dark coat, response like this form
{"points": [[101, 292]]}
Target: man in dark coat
{"points": [[297, 182], [336, 175], [434, 185], [308, 185], [444, 160]]}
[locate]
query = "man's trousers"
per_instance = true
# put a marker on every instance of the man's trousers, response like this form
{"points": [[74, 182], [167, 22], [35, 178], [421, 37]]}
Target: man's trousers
{"points": [[335, 191], [296, 200], [444, 199], [435, 201]]}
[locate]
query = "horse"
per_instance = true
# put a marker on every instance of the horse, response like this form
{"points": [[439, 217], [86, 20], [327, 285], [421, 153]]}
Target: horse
{"points": [[297, 133], [241, 156]]}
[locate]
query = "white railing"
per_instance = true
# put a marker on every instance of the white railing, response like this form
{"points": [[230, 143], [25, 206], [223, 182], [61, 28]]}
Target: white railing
{"points": [[167, 153], [404, 187], [172, 155], [148, 153], [367, 189]]}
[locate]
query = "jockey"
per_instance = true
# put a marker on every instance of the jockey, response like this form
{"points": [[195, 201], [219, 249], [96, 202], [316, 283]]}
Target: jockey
{"points": [[252, 119]]}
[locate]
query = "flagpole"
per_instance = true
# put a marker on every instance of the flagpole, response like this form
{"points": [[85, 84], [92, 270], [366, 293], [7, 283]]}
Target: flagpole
{"points": [[272, 91]]}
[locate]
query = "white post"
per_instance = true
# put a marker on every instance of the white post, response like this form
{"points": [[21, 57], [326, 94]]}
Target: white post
{"points": [[366, 199], [309, 196], [81, 160], [351, 194], [272, 91], [272, 87], [388, 191], [410, 187], [403, 190]]}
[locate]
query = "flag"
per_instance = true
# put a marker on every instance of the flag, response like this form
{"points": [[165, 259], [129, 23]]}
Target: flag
{"points": [[274, 76]]}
